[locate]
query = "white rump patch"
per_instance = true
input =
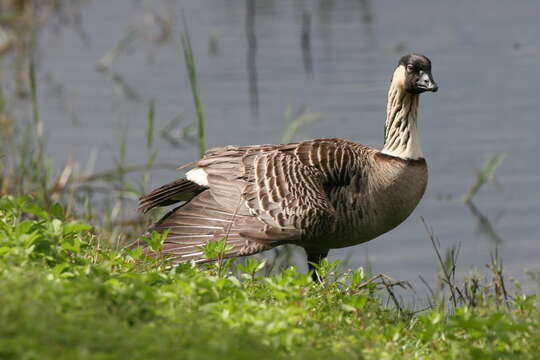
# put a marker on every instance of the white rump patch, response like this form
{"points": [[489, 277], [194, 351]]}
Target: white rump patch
{"points": [[198, 176]]}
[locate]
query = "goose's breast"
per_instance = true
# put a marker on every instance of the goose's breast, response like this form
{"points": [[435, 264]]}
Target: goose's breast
{"points": [[388, 196]]}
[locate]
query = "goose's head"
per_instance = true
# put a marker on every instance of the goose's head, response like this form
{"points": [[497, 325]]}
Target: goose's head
{"points": [[413, 74]]}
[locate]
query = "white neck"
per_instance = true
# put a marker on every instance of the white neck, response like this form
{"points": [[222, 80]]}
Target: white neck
{"points": [[401, 137]]}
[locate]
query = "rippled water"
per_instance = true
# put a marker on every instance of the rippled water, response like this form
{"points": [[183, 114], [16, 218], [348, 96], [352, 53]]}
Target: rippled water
{"points": [[485, 54]]}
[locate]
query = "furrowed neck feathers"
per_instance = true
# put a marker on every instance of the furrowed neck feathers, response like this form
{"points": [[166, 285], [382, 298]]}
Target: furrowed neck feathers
{"points": [[401, 138]]}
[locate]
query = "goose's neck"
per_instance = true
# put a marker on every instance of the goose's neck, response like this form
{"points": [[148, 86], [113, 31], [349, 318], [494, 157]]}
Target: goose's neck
{"points": [[401, 137]]}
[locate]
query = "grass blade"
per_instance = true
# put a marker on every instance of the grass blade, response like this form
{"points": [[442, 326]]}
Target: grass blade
{"points": [[33, 92], [192, 73], [150, 125], [292, 127]]}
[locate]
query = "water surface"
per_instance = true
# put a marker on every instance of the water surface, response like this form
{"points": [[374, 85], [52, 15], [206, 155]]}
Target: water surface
{"points": [[329, 57]]}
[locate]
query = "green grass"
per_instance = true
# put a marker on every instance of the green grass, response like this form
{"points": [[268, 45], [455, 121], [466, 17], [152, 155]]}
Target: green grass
{"points": [[65, 295]]}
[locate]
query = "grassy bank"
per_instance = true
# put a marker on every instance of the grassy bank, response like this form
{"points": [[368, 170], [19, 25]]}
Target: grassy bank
{"points": [[66, 296]]}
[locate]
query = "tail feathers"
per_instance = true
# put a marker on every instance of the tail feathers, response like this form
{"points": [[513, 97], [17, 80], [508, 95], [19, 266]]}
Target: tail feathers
{"points": [[203, 220], [187, 252], [179, 190]]}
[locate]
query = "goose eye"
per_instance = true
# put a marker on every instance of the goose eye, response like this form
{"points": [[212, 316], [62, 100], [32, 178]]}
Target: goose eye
{"points": [[410, 68]]}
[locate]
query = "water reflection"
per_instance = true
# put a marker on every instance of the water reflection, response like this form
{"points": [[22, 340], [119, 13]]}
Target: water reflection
{"points": [[484, 224], [251, 59], [121, 86], [306, 43], [365, 8], [367, 18]]}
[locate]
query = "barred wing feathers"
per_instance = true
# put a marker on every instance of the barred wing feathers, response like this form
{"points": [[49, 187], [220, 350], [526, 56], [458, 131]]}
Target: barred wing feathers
{"points": [[202, 220], [262, 196]]}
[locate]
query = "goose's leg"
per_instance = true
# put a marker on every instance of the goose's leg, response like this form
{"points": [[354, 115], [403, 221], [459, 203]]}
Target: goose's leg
{"points": [[315, 258]]}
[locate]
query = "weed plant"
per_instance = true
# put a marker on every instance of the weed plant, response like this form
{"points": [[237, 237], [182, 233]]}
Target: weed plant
{"points": [[66, 295]]}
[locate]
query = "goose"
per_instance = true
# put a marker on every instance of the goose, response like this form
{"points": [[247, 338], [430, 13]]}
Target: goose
{"points": [[318, 194]]}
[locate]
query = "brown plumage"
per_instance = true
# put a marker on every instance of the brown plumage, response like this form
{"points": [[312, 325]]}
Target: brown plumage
{"points": [[319, 194], [169, 194]]}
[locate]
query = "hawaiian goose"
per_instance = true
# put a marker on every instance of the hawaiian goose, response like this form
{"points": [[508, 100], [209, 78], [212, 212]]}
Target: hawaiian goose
{"points": [[319, 194]]}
